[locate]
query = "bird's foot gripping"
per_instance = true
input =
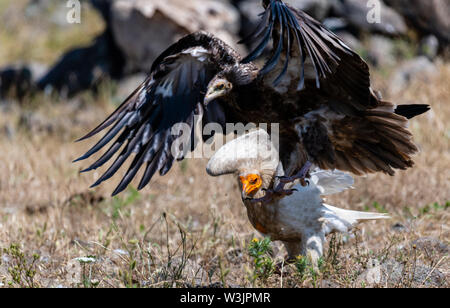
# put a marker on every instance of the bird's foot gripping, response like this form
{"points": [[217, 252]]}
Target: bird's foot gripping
{"points": [[279, 190], [301, 175], [271, 194]]}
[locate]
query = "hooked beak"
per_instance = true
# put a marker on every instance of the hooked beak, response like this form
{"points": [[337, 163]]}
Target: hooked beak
{"points": [[210, 96], [249, 189], [246, 191]]}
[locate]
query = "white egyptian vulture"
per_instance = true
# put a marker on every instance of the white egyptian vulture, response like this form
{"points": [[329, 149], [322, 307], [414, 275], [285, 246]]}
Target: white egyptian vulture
{"points": [[300, 220]]}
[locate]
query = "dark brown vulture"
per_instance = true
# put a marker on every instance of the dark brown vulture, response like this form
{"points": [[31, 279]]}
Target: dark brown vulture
{"points": [[312, 84]]}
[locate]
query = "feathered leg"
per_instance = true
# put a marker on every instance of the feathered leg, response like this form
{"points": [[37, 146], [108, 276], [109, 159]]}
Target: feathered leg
{"points": [[294, 249], [312, 246]]}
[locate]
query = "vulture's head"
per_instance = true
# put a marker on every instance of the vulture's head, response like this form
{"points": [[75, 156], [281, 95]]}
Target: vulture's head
{"points": [[219, 86], [252, 158], [229, 80]]}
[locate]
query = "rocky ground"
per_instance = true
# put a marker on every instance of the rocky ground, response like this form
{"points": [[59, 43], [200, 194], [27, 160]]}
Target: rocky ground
{"points": [[188, 229]]}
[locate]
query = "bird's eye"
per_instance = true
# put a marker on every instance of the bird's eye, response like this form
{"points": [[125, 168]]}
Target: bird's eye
{"points": [[253, 181], [220, 87]]}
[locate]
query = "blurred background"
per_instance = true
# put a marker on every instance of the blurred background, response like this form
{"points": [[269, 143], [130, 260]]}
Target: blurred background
{"points": [[62, 72], [42, 51]]}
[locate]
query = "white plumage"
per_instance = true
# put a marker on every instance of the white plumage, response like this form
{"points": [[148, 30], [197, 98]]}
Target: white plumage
{"points": [[301, 220]]}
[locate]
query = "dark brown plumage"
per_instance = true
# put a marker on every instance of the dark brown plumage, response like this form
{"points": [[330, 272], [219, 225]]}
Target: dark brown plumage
{"points": [[313, 85]]}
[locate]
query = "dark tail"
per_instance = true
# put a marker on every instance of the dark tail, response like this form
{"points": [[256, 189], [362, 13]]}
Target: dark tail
{"points": [[411, 111]]}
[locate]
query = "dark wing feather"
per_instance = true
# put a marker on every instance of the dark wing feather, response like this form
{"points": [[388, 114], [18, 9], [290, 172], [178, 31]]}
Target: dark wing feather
{"points": [[318, 43], [173, 93], [295, 34], [340, 123], [376, 141]]}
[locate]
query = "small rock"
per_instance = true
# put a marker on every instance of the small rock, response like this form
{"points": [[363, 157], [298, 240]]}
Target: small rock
{"points": [[429, 17], [392, 273], [351, 41], [431, 245], [215, 285], [372, 276], [429, 47], [356, 12], [84, 68], [329, 284], [9, 131], [34, 122], [128, 84], [143, 29], [335, 24], [317, 8], [399, 227], [15, 81], [381, 51], [235, 256]]}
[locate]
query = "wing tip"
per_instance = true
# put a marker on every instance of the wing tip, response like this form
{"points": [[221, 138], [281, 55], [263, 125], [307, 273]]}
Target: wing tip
{"points": [[79, 159]]}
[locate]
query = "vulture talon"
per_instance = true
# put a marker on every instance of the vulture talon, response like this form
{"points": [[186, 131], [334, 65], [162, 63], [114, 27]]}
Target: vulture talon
{"points": [[301, 175]]}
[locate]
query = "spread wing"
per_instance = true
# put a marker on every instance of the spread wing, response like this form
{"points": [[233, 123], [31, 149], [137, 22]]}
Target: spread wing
{"points": [[341, 124], [173, 93], [307, 55]]}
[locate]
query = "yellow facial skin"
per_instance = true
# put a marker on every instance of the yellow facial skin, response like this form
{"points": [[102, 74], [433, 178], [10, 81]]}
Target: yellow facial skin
{"points": [[251, 184]]}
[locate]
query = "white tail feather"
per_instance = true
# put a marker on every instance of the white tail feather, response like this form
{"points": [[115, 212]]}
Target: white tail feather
{"points": [[354, 217]]}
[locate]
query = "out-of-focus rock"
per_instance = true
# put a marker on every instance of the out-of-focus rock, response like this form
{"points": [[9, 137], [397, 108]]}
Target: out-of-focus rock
{"points": [[17, 80], [371, 276], [430, 16], [351, 41], [34, 122], [20, 77], [429, 47], [143, 29], [127, 85], [80, 68], [399, 227], [381, 51], [335, 24], [85, 68], [431, 245], [103, 7], [8, 131], [392, 273], [420, 68], [357, 12], [250, 10], [317, 8]]}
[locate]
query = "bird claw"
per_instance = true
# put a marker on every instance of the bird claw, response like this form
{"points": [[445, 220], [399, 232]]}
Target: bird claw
{"points": [[279, 191], [271, 194], [299, 176]]}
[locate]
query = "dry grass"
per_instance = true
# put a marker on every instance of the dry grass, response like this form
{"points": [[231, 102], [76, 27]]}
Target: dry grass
{"points": [[188, 229], [30, 36]]}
